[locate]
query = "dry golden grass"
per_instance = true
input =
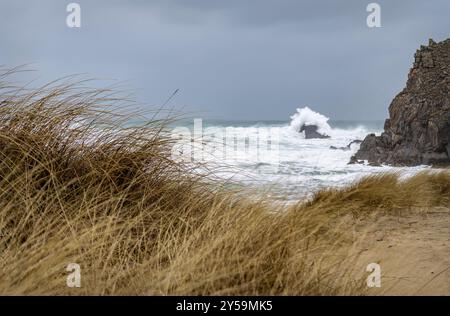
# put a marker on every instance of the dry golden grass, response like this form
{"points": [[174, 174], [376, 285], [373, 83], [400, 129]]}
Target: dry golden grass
{"points": [[112, 200]]}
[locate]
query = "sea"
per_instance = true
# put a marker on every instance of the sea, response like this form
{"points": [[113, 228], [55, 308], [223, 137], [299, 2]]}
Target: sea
{"points": [[276, 157]]}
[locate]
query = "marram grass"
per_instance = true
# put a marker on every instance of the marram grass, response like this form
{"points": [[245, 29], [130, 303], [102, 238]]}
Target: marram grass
{"points": [[112, 200]]}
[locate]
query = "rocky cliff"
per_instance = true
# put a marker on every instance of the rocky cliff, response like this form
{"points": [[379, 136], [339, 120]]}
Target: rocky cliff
{"points": [[418, 128]]}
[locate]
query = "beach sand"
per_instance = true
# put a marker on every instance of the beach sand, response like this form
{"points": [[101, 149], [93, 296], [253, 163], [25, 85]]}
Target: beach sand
{"points": [[413, 251]]}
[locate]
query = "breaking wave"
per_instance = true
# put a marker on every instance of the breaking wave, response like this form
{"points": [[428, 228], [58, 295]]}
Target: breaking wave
{"points": [[306, 116]]}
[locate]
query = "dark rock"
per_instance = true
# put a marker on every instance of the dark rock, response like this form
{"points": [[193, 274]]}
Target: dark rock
{"points": [[418, 128], [356, 141], [348, 147], [311, 132], [354, 160]]}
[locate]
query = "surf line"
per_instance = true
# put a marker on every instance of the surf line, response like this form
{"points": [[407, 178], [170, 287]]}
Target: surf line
{"points": [[187, 306]]}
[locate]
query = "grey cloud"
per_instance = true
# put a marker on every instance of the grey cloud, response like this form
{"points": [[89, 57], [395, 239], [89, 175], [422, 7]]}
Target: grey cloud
{"points": [[243, 59]]}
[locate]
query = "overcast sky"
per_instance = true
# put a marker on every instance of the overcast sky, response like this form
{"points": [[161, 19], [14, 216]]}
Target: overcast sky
{"points": [[231, 59]]}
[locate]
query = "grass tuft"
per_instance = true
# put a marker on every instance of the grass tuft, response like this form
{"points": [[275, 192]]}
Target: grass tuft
{"points": [[79, 186]]}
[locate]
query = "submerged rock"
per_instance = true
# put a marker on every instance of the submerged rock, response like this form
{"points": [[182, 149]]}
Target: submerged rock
{"points": [[348, 147], [418, 128], [311, 132]]}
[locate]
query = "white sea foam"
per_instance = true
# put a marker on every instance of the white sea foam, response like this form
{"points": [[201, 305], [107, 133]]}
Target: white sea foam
{"points": [[306, 116], [302, 165]]}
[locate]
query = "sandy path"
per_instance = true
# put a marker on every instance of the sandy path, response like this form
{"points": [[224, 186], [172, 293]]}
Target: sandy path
{"points": [[413, 251]]}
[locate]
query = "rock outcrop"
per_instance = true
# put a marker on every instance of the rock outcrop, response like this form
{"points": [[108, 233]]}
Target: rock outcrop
{"points": [[311, 132], [418, 128], [348, 147]]}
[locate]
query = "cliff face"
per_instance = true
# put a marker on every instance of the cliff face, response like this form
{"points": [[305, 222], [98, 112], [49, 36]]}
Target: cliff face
{"points": [[418, 128]]}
